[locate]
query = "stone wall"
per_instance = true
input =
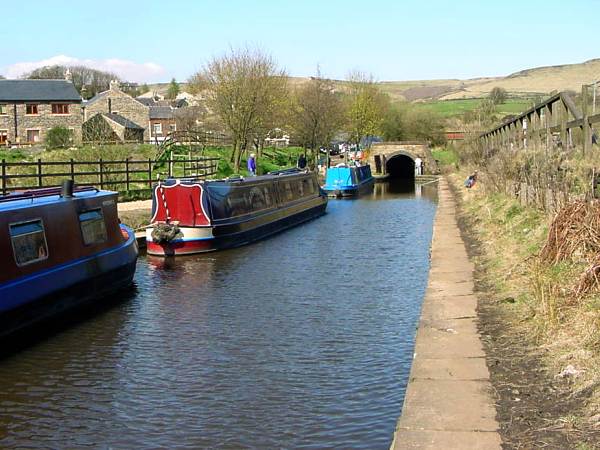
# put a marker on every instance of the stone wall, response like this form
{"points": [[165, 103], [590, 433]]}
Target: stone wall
{"points": [[42, 121], [412, 148], [116, 101]]}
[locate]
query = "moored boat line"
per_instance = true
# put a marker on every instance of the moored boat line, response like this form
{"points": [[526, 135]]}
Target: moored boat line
{"points": [[192, 216], [348, 181], [63, 248]]}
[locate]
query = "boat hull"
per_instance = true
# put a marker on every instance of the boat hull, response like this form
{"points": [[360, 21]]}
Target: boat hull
{"points": [[43, 295], [351, 191], [220, 237]]}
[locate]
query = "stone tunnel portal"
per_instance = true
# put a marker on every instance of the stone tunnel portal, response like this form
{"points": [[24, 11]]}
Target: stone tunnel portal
{"points": [[400, 167]]}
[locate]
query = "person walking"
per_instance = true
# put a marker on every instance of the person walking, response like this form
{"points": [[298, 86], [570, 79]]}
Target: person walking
{"points": [[252, 165]]}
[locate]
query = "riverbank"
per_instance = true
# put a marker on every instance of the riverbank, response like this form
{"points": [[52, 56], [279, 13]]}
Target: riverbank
{"points": [[448, 402], [542, 348]]}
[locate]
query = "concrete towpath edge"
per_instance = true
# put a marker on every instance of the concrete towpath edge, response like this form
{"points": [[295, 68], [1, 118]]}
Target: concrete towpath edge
{"points": [[448, 402]]}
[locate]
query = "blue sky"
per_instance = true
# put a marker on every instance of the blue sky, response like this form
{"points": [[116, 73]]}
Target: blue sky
{"points": [[394, 40]]}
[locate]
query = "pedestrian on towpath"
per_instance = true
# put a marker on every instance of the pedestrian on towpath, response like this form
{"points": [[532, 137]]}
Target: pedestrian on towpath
{"points": [[252, 165], [418, 166], [301, 162]]}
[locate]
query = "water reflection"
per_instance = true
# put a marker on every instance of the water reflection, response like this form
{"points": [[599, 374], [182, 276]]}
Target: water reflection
{"points": [[301, 340]]}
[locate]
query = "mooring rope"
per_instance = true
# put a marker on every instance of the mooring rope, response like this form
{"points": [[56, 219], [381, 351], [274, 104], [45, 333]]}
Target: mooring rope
{"points": [[162, 194]]}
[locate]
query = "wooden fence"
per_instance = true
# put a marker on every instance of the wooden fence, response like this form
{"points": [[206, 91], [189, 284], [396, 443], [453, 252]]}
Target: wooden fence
{"points": [[553, 122], [119, 175]]}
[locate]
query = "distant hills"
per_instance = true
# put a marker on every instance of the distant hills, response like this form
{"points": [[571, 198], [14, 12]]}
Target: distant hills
{"points": [[525, 83]]}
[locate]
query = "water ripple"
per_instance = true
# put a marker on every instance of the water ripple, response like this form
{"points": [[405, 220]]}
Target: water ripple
{"points": [[299, 341]]}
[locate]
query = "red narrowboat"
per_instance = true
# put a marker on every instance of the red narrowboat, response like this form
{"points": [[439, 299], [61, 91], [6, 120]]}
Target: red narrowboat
{"points": [[61, 248], [193, 216]]}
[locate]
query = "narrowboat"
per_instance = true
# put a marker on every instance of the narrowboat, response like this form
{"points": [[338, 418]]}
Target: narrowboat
{"points": [[193, 216], [348, 181], [61, 248]]}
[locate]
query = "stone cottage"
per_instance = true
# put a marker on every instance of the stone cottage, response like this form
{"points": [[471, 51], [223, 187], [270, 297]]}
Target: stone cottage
{"points": [[119, 107], [29, 108]]}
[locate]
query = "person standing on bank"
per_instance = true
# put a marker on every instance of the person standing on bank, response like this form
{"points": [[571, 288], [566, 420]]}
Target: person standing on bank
{"points": [[418, 166], [252, 165], [301, 161]]}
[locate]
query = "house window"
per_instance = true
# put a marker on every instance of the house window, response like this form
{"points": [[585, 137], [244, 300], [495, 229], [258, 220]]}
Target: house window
{"points": [[157, 127], [28, 242], [33, 136], [3, 108], [3, 137], [92, 227], [60, 108], [31, 108]]}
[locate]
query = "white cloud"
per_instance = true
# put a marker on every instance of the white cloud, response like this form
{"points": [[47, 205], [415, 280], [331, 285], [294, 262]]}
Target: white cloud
{"points": [[126, 69]]}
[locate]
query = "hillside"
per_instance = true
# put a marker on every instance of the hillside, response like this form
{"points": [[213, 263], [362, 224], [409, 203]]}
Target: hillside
{"points": [[525, 83]]}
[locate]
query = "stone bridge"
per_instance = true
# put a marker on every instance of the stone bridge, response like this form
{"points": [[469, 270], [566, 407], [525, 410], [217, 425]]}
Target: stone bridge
{"points": [[397, 159]]}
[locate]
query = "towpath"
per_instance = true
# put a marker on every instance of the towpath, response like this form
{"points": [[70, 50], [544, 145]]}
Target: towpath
{"points": [[448, 403]]}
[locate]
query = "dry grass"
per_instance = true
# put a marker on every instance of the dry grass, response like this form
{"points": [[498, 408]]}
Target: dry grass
{"points": [[555, 291]]}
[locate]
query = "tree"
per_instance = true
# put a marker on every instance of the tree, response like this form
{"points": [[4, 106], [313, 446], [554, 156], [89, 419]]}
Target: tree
{"points": [[498, 95], [366, 107], [173, 90], [245, 88], [393, 126], [59, 137], [317, 112], [92, 80]]}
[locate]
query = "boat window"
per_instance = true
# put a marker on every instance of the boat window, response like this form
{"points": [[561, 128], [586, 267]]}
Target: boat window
{"points": [[92, 225], [28, 242]]}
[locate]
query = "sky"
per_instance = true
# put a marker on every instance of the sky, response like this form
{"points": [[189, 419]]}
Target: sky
{"points": [[153, 41]]}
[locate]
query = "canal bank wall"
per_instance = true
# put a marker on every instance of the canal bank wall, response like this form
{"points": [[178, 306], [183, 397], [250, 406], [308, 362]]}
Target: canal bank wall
{"points": [[448, 402]]}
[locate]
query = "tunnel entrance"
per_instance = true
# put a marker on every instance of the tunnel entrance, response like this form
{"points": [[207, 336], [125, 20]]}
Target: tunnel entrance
{"points": [[401, 167]]}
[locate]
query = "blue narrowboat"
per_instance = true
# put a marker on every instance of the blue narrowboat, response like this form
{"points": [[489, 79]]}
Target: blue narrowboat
{"points": [[348, 181], [62, 248]]}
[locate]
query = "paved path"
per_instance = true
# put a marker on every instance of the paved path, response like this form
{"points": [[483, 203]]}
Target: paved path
{"points": [[448, 403], [131, 206]]}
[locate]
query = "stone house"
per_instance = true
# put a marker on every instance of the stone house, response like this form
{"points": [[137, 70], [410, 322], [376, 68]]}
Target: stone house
{"points": [[29, 108], [115, 103], [111, 128], [162, 122]]}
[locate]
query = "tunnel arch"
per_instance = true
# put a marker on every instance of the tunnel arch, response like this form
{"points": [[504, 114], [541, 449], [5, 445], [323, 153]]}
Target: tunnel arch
{"points": [[400, 165]]}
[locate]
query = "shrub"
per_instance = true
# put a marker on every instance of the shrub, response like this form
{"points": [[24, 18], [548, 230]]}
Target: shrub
{"points": [[59, 137]]}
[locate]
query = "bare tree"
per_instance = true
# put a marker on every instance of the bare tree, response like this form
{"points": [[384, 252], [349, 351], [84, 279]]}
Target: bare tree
{"points": [[244, 88], [92, 80], [366, 106], [316, 113]]}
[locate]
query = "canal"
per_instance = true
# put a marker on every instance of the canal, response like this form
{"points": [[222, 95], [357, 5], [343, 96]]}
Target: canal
{"points": [[303, 340]]}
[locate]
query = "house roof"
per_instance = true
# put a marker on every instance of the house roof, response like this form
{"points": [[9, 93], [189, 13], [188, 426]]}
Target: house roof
{"points": [[123, 121], [148, 101], [103, 94], [161, 112], [38, 90]]}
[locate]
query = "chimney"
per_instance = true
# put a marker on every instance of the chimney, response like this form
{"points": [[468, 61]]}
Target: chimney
{"points": [[114, 85], [68, 75]]}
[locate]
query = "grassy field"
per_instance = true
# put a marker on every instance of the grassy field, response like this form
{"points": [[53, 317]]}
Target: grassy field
{"points": [[446, 156], [453, 108]]}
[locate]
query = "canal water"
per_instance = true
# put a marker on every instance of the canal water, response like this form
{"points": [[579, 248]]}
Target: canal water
{"points": [[303, 340]]}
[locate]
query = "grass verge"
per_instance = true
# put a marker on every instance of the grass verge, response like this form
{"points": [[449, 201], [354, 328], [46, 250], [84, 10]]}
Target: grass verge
{"points": [[543, 348]]}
